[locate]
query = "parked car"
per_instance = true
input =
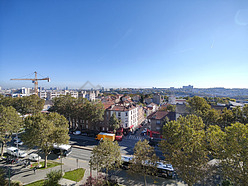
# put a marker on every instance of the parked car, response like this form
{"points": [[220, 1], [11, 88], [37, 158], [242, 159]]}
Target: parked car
{"points": [[77, 132], [16, 152], [19, 142], [34, 157]]}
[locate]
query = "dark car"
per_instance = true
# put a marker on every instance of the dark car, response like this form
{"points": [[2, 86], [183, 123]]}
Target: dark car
{"points": [[154, 141]]}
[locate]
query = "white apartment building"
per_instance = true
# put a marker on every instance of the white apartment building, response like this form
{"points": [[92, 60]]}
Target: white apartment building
{"points": [[53, 94], [128, 115], [42, 95]]}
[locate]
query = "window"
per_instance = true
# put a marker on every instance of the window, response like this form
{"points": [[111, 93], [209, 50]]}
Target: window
{"points": [[126, 125], [119, 114], [158, 122], [126, 113]]}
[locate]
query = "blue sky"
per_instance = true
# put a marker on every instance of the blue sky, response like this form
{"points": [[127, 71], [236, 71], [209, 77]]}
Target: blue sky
{"points": [[125, 43]]}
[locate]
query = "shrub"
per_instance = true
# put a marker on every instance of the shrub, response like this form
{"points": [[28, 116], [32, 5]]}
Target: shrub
{"points": [[53, 178]]}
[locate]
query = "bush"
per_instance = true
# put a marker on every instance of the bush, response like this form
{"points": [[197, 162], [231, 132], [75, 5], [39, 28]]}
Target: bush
{"points": [[53, 178], [100, 181]]}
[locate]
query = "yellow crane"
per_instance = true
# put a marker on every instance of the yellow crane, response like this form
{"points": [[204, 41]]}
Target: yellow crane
{"points": [[35, 81]]}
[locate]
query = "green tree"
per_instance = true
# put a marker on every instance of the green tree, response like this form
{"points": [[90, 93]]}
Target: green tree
{"points": [[226, 118], [198, 105], [245, 114], [230, 147], [210, 117], [3, 180], [44, 130], [144, 160], [114, 123], [10, 122], [53, 178], [106, 155], [65, 106], [185, 147], [28, 104]]}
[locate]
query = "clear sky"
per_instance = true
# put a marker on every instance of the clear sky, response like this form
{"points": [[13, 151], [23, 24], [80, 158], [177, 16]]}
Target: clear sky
{"points": [[125, 43]]}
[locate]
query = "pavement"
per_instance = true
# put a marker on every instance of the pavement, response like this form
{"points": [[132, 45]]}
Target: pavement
{"points": [[27, 175]]}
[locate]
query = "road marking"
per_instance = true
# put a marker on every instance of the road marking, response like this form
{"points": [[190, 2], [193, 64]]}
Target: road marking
{"points": [[70, 158]]}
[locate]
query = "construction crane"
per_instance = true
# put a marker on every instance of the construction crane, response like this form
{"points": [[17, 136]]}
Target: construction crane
{"points": [[35, 81]]}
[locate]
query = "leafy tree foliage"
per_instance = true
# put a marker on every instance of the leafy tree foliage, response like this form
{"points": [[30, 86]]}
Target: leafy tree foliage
{"points": [[230, 146], [78, 109], [44, 130], [226, 118], [28, 104], [185, 147], [198, 105], [53, 178], [10, 122], [114, 123], [24, 105], [211, 117], [106, 155], [144, 160]]}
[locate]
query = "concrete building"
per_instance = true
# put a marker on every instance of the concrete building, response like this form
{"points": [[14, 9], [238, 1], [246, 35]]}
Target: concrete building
{"points": [[128, 115], [42, 94], [157, 119], [157, 99]]}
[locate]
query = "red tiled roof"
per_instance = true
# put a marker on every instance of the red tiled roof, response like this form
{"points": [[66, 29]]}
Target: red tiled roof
{"points": [[121, 108], [160, 114], [107, 104]]}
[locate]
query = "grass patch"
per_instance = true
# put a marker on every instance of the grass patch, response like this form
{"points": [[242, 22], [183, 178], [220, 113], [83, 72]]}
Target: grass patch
{"points": [[50, 164], [36, 183], [75, 175]]}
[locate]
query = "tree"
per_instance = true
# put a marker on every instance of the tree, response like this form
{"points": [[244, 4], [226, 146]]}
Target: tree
{"points": [[28, 104], [10, 122], [230, 147], [114, 123], [245, 114], [44, 130], [226, 118], [106, 155], [78, 109], [53, 178], [144, 160], [185, 147], [210, 117], [198, 105], [65, 106]]}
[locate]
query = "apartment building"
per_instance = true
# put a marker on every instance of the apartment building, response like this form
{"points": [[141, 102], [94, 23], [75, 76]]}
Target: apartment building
{"points": [[128, 115]]}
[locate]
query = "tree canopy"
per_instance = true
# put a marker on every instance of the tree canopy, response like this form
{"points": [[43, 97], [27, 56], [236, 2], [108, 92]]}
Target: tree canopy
{"points": [[106, 155], [230, 147], [10, 122], [144, 160], [114, 123], [184, 146], [44, 130]]}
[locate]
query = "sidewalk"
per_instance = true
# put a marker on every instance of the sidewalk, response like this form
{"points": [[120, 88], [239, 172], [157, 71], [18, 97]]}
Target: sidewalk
{"points": [[27, 175]]}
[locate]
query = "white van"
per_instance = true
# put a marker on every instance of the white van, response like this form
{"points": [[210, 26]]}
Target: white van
{"points": [[15, 151]]}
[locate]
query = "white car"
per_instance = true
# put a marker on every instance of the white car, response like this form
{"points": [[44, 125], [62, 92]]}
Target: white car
{"points": [[16, 152], [19, 142], [77, 132], [34, 157]]}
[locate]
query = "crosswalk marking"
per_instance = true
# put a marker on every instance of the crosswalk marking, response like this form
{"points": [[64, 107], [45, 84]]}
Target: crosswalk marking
{"points": [[135, 137]]}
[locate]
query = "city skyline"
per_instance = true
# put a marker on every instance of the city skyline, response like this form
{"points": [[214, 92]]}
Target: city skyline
{"points": [[125, 43]]}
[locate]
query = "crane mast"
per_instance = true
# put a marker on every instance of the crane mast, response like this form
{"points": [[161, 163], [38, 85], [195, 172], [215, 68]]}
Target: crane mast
{"points": [[35, 81]]}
